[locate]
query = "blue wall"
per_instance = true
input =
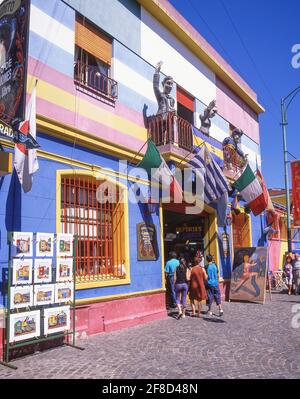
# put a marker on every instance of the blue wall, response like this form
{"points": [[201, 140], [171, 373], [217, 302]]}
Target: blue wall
{"points": [[119, 18], [36, 212]]}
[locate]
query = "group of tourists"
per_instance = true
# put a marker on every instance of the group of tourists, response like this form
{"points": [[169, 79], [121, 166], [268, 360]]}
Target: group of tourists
{"points": [[291, 272], [191, 277]]}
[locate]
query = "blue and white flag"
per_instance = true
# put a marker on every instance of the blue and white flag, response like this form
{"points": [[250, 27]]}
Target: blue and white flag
{"points": [[215, 183]]}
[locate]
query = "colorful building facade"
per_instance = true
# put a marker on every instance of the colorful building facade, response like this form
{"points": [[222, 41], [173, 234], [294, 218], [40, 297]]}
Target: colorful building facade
{"points": [[94, 62]]}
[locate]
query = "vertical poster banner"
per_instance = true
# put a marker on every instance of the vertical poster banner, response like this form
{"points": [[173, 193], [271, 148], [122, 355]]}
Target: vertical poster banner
{"points": [[295, 166], [14, 34]]}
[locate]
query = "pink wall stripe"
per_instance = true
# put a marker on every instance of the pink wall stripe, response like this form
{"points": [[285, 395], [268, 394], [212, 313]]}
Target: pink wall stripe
{"points": [[82, 123], [233, 109], [64, 82]]}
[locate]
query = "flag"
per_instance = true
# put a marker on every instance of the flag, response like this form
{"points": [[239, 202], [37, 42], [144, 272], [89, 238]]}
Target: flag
{"points": [[215, 183], [267, 197], [153, 160], [22, 136], [251, 190], [26, 163]]}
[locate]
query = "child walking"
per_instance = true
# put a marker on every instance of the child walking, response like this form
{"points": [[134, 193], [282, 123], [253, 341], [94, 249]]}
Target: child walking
{"points": [[213, 290]]}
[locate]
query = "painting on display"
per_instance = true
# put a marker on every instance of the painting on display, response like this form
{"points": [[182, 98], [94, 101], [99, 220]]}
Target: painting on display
{"points": [[43, 294], [22, 271], [21, 296], [63, 292], [248, 280], [146, 241], [64, 270], [64, 244], [24, 325], [44, 244], [43, 270], [22, 245], [56, 319]]}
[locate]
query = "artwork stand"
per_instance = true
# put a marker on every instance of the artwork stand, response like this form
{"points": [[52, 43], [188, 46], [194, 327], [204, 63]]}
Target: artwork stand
{"points": [[8, 314]]}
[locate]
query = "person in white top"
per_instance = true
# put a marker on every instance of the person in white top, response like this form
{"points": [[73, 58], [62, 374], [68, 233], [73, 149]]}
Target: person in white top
{"points": [[296, 273]]}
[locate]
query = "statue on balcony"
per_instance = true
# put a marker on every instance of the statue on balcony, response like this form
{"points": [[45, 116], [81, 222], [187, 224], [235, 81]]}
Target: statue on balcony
{"points": [[166, 103], [208, 114], [234, 157]]}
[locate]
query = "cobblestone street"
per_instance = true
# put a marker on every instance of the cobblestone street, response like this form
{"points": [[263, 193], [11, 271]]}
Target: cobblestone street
{"points": [[250, 341]]}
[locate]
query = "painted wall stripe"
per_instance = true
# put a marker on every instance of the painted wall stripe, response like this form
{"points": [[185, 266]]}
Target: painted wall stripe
{"points": [[52, 30], [56, 8]]}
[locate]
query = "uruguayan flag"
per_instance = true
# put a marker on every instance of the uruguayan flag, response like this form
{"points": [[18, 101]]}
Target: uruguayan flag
{"points": [[215, 183]]}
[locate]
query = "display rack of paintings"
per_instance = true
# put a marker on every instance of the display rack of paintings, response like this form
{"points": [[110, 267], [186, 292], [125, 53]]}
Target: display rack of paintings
{"points": [[41, 290]]}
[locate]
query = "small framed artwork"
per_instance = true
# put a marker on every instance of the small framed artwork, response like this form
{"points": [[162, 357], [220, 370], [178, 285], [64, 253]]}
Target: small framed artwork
{"points": [[22, 271], [64, 244], [63, 292], [44, 244], [21, 296], [64, 270], [43, 270], [24, 325], [43, 294], [22, 244], [56, 319]]}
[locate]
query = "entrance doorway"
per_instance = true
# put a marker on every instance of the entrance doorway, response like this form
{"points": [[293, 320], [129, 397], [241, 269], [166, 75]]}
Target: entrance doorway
{"points": [[183, 232]]}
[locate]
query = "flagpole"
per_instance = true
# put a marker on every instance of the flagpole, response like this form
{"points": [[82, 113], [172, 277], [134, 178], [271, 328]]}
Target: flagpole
{"points": [[133, 158]]}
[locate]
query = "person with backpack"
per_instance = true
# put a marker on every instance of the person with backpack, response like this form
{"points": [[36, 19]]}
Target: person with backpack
{"points": [[213, 289]]}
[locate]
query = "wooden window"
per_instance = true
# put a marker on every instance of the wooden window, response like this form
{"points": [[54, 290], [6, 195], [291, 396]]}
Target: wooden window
{"points": [[93, 53], [92, 40], [99, 227]]}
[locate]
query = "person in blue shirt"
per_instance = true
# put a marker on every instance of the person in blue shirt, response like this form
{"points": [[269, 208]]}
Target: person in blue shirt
{"points": [[170, 269], [213, 290]]}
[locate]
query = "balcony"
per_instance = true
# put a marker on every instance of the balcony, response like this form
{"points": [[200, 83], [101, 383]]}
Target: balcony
{"points": [[170, 129], [91, 80]]}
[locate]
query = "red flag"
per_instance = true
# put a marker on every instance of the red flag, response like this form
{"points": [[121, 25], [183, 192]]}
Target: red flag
{"points": [[295, 166]]}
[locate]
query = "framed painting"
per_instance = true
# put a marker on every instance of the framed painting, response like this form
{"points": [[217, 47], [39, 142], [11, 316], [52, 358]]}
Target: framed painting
{"points": [[21, 296], [56, 320], [146, 241], [248, 280], [44, 244], [64, 244], [43, 270], [22, 271], [43, 294], [64, 270], [22, 245], [24, 325], [63, 292]]}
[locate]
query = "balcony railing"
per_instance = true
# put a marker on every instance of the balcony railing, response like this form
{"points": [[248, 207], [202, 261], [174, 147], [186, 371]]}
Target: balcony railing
{"points": [[170, 129], [91, 79]]}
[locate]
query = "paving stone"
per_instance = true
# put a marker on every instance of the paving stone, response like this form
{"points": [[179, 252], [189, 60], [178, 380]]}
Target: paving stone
{"points": [[250, 341]]}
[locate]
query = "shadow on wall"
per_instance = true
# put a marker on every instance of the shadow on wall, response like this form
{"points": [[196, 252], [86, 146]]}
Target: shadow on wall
{"points": [[13, 205]]}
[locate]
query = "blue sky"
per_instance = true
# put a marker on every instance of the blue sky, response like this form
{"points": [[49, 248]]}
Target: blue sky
{"points": [[268, 29]]}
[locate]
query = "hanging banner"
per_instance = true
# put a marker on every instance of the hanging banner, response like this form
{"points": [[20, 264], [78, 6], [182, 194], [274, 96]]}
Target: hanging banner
{"points": [[14, 28], [295, 166]]}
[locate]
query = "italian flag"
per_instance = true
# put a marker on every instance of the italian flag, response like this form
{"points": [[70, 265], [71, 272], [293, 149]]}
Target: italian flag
{"points": [[252, 191], [154, 162]]}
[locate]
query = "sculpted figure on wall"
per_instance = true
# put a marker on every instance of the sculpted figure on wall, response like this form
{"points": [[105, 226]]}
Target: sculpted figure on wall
{"points": [[234, 157], [166, 103], [206, 117]]}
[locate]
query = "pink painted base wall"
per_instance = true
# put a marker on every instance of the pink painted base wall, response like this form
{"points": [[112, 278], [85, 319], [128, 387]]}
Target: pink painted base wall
{"points": [[122, 313]]}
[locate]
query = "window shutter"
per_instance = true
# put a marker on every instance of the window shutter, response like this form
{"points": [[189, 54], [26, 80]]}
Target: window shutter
{"points": [[185, 99], [93, 40]]}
